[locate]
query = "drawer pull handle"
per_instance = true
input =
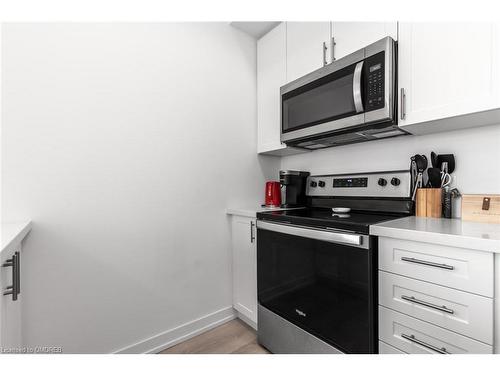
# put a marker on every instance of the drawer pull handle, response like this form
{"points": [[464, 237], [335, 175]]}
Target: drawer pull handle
{"points": [[424, 262], [428, 304], [413, 339]]}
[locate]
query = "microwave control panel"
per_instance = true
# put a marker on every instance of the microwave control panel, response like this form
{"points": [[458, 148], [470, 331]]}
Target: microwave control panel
{"points": [[375, 78]]}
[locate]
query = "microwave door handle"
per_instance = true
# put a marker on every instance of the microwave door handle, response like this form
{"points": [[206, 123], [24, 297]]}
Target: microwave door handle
{"points": [[356, 87]]}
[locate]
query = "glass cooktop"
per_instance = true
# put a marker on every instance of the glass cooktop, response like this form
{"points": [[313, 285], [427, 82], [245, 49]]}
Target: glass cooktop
{"points": [[356, 221]]}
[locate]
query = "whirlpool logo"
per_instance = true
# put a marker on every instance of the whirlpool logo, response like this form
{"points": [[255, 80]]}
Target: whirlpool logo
{"points": [[301, 313]]}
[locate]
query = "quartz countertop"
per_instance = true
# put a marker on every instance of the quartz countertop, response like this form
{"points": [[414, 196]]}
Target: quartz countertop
{"points": [[448, 232], [252, 211], [12, 233]]}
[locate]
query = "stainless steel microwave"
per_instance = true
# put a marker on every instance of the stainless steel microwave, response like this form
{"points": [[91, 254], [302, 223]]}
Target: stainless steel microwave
{"points": [[353, 99]]}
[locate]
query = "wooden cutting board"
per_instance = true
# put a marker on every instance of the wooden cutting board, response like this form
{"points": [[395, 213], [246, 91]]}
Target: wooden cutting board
{"points": [[481, 208]]}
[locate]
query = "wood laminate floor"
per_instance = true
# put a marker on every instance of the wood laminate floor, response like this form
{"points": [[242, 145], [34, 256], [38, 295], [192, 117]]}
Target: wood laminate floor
{"points": [[234, 337]]}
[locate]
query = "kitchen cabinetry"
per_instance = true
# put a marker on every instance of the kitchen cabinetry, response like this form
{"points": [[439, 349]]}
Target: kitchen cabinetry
{"points": [[352, 36], [448, 70], [307, 47], [435, 298], [271, 75], [12, 236], [244, 245], [10, 304]]}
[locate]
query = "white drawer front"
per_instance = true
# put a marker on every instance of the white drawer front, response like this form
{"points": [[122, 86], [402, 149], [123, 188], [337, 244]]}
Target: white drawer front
{"points": [[417, 337], [383, 348], [461, 269], [465, 313]]}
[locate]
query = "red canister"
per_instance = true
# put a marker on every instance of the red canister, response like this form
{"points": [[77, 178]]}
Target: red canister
{"points": [[273, 194]]}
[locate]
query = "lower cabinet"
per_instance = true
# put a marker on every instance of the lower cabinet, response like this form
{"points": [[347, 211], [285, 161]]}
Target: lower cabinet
{"points": [[244, 245], [434, 299], [10, 301]]}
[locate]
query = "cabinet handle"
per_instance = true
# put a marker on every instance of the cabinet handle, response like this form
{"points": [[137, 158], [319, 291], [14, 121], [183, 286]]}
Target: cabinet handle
{"points": [[426, 263], [403, 104], [413, 339], [13, 289], [428, 304], [252, 236], [333, 48], [324, 53]]}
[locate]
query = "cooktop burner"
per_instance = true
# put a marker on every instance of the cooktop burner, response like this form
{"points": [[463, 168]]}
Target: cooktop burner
{"points": [[356, 221]]}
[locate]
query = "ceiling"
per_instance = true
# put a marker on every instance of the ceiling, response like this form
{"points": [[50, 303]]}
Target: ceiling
{"points": [[255, 29]]}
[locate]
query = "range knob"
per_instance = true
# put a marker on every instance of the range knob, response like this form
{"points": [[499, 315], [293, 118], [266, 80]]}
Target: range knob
{"points": [[322, 184], [382, 181], [395, 181], [314, 184]]}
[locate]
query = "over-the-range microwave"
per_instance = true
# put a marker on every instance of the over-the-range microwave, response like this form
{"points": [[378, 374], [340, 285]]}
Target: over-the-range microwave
{"points": [[353, 99]]}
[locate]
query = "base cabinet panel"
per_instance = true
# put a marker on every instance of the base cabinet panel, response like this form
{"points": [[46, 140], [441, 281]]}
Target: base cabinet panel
{"points": [[10, 310], [414, 336], [244, 245]]}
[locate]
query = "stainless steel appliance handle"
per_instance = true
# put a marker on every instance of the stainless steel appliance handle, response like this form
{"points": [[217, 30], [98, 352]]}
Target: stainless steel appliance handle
{"points": [[356, 87], [358, 240], [428, 304], [413, 339], [427, 263], [324, 54]]}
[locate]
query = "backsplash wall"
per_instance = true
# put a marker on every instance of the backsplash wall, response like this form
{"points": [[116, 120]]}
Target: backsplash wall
{"points": [[477, 154]]}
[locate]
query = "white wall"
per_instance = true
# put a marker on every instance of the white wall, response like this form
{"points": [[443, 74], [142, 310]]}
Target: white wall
{"points": [[125, 143], [477, 154]]}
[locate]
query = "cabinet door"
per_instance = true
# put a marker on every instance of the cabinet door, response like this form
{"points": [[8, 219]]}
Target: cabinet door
{"points": [[244, 243], [447, 69], [271, 75], [304, 47], [10, 311], [352, 36]]}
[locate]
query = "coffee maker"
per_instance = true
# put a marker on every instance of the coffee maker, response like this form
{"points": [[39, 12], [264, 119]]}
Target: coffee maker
{"points": [[293, 188]]}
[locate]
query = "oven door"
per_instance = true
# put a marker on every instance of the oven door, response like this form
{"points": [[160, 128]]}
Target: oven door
{"points": [[322, 281]]}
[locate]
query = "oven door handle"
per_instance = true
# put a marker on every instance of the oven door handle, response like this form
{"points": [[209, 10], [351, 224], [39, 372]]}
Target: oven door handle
{"points": [[351, 239], [356, 87]]}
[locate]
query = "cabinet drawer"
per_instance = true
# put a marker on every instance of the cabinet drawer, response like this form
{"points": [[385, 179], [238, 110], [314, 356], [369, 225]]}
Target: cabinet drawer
{"points": [[384, 348], [417, 337], [465, 313], [461, 269]]}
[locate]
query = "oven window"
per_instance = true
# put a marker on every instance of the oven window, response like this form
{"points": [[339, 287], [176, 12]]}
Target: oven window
{"points": [[324, 288], [326, 99]]}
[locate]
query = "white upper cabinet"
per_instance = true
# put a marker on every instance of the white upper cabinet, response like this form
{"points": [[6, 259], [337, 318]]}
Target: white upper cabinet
{"points": [[352, 36], [305, 52], [447, 70], [271, 75]]}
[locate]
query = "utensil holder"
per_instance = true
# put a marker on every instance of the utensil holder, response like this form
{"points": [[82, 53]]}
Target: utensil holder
{"points": [[429, 202]]}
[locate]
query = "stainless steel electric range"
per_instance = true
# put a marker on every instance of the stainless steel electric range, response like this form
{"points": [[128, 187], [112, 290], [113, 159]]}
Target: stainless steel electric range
{"points": [[317, 269]]}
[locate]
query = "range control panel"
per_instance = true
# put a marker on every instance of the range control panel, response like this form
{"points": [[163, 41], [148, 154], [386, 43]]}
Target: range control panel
{"points": [[350, 182], [392, 184]]}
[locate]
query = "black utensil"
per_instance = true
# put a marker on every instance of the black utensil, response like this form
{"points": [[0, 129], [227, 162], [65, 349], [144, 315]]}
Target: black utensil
{"points": [[434, 175], [421, 161], [449, 158], [434, 160]]}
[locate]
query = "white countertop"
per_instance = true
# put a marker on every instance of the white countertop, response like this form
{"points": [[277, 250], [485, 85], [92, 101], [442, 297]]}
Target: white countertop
{"points": [[252, 211], [12, 233], [448, 232]]}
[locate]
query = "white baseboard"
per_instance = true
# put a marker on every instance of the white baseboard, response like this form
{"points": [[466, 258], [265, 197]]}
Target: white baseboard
{"points": [[181, 333], [248, 321]]}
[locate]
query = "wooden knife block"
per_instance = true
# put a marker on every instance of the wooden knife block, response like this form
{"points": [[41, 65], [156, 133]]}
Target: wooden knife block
{"points": [[429, 202]]}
